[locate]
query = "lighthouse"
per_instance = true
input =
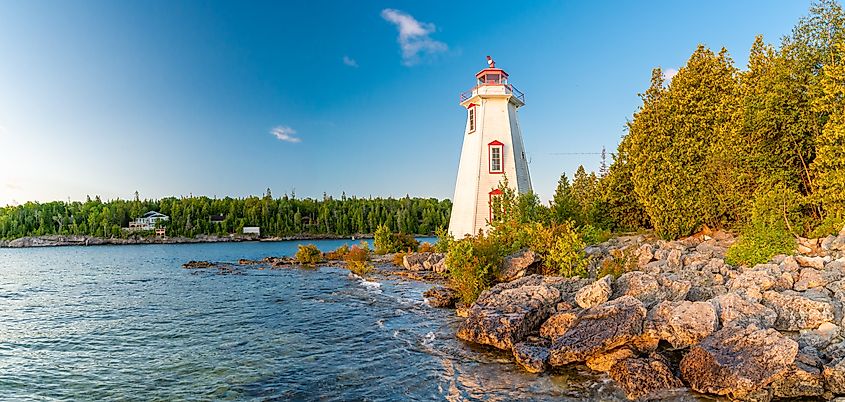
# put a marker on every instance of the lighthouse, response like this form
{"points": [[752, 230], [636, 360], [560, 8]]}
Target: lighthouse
{"points": [[492, 149]]}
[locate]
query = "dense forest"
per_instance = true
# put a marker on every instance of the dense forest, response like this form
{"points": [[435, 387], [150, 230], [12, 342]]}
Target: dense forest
{"points": [[762, 147], [190, 216]]}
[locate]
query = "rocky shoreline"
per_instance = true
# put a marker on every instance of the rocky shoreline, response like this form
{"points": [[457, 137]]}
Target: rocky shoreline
{"points": [[83, 240], [681, 319]]}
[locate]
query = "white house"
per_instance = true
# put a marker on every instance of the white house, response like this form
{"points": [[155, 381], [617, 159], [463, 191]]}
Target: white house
{"points": [[492, 148], [252, 230], [148, 221]]}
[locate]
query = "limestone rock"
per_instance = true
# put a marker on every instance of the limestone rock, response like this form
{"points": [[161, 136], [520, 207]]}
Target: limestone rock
{"points": [[756, 280], [440, 296], [533, 357], [796, 312], [799, 380], [425, 262], [604, 361], [645, 254], [734, 310], [650, 288], [557, 324], [683, 323], [738, 362], [809, 278], [599, 329], [810, 262], [595, 293], [504, 314], [834, 376], [644, 378], [517, 265]]}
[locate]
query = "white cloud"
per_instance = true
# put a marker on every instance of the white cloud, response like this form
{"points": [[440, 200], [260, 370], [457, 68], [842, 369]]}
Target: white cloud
{"points": [[284, 133], [350, 61], [669, 73], [413, 36]]}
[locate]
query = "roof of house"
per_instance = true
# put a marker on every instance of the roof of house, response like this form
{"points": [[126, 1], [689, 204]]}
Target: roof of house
{"points": [[153, 214], [217, 218]]}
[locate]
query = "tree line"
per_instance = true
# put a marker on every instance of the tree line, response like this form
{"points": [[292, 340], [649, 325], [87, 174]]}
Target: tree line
{"points": [[191, 216], [722, 147]]}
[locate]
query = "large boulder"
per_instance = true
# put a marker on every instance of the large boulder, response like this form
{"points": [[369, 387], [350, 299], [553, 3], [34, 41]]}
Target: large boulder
{"points": [[799, 380], [506, 313], [735, 310], [796, 312], [834, 376], [644, 378], [650, 289], [739, 363], [683, 323], [599, 329], [595, 293], [517, 265], [604, 361]]}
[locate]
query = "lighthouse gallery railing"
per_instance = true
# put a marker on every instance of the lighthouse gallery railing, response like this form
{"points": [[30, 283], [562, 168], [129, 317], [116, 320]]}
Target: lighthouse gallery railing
{"points": [[509, 89]]}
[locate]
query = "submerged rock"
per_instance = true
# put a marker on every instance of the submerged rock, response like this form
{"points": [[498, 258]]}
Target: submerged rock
{"points": [[739, 363], [197, 264], [506, 313], [599, 329], [644, 378]]}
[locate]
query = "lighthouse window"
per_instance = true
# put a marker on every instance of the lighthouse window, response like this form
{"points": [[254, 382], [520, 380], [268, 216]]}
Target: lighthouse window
{"points": [[471, 119], [496, 158]]}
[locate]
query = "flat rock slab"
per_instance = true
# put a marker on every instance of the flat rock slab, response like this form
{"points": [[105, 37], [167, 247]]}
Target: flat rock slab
{"points": [[739, 363], [599, 329]]}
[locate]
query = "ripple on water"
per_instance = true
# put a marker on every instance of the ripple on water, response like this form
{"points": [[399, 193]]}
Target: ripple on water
{"points": [[128, 323]]}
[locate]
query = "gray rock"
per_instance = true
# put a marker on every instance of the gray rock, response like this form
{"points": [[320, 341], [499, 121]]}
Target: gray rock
{"points": [[796, 312], [644, 378], [683, 323], [532, 356], [517, 265], [595, 293], [599, 329], [425, 262], [735, 310], [810, 262], [650, 288], [738, 363], [506, 313]]}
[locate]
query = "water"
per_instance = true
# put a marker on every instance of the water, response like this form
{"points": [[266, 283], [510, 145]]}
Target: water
{"points": [[128, 323]]}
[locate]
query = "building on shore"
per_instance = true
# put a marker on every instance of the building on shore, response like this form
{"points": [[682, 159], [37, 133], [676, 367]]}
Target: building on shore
{"points": [[148, 221], [216, 218], [252, 230], [492, 150]]}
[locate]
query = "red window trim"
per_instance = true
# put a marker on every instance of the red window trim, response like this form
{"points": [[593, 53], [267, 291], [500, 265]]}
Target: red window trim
{"points": [[472, 117], [490, 196], [490, 146]]}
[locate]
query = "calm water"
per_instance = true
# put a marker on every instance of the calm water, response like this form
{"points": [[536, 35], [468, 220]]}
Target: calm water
{"points": [[128, 323]]}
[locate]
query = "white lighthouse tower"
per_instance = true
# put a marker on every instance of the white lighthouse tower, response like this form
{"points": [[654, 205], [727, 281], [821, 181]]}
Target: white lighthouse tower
{"points": [[492, 150]]}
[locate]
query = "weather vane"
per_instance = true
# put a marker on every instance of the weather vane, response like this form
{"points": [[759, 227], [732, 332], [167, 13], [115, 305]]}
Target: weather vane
{"points": [[491, 62]]}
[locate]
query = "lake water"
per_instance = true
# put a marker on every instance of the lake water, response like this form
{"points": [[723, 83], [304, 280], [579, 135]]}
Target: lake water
{"points": [[128, 323]]}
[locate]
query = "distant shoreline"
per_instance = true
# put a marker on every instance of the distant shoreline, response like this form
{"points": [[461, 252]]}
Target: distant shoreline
{"points": [[82, 240]]}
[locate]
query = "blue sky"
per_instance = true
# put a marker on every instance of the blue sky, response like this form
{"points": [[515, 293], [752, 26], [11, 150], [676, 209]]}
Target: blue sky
{"points": [[229, 98]]}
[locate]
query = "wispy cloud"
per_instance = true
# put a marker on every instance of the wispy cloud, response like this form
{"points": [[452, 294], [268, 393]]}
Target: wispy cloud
{"points": [[414, 36], [669, 73], [285, 133], [350, 61]]}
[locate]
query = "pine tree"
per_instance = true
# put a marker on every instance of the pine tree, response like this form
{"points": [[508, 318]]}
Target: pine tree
{"points": [[829, 165]]}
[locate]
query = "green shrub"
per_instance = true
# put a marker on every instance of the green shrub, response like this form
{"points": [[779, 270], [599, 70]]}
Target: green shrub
{"points": [[472, 263], [830, 225], [592, 235], [339, 253], [386, 242], [444, 241], [759, 243], [358, 259], [560, 246], [426, 247], [617, 263], [308, 254]]}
